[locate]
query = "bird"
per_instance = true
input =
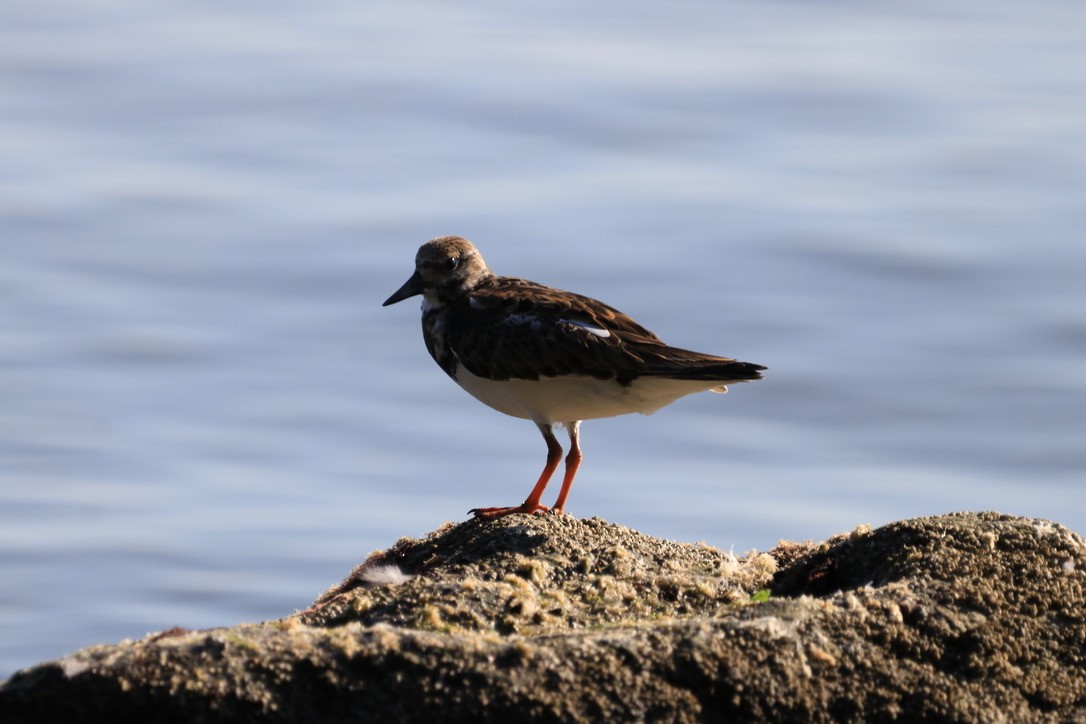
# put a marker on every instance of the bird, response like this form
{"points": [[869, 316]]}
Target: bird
{"points": [[547, 355]]}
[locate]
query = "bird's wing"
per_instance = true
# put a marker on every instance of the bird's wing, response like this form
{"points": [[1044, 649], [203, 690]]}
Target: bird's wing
{"points": [[515, 329]]}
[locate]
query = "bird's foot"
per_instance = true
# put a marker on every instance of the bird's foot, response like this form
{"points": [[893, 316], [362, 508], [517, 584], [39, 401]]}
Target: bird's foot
{"points": [[494, 513]]}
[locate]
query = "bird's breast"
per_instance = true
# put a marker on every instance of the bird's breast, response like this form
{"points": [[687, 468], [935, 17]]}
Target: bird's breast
{"points": [[433, 333]]}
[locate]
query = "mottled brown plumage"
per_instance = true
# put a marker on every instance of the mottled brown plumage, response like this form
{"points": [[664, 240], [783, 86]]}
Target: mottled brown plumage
{"points": [[547, 355]]}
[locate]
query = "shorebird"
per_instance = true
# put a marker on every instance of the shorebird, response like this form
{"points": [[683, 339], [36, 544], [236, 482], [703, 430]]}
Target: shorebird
{"points": [[547, 355]]}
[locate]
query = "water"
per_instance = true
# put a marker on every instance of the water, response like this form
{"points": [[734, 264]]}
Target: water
{"points": [[208, 418]]}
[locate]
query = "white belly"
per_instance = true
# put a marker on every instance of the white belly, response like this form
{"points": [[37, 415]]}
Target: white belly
{"points": [[570, 398]]}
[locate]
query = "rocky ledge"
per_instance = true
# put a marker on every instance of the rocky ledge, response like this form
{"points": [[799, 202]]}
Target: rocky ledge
{"points": [[961, 617]]}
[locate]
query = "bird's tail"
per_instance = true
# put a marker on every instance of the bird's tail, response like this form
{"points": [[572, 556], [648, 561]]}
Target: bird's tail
{"points": [[723, 372], [681, 364]]}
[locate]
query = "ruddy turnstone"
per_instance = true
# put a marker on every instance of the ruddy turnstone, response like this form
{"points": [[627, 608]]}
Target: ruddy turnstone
{"points": [[546, 355]]}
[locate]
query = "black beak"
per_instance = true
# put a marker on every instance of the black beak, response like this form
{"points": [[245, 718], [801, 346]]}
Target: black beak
{"points": [[410, 288]]}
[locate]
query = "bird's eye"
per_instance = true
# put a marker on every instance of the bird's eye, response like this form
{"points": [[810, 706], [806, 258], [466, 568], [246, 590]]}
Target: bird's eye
{"points": [[452, 262]]}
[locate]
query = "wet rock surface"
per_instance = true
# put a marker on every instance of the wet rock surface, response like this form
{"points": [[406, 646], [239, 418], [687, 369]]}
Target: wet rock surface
{"points": [[961, 617]]}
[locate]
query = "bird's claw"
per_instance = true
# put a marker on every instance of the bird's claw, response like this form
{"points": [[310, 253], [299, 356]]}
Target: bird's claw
{"points": [[495, 513]]}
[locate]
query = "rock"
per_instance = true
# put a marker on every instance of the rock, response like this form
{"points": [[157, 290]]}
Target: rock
{"points": [[964, 617]]}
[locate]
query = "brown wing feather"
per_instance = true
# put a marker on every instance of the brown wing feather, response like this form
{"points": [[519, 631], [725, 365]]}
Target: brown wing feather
{"points": [[516, 329]]}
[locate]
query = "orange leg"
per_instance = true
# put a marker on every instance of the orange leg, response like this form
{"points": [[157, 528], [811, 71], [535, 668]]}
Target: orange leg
{"points": [[573, 461], [531, 503]]}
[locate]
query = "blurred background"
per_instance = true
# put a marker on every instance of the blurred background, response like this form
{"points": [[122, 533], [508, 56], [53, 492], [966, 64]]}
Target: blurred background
{"points": [[208, 418]]}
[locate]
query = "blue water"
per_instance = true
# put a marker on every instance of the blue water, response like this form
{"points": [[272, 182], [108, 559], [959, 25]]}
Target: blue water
{"points": [[208, 418]]}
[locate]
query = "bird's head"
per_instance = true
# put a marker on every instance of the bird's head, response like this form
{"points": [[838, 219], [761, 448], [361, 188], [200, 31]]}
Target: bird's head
{"points": [[446, 268]]}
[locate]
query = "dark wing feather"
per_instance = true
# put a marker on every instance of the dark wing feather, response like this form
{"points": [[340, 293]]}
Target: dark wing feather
{"points": [[515, 329]]}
